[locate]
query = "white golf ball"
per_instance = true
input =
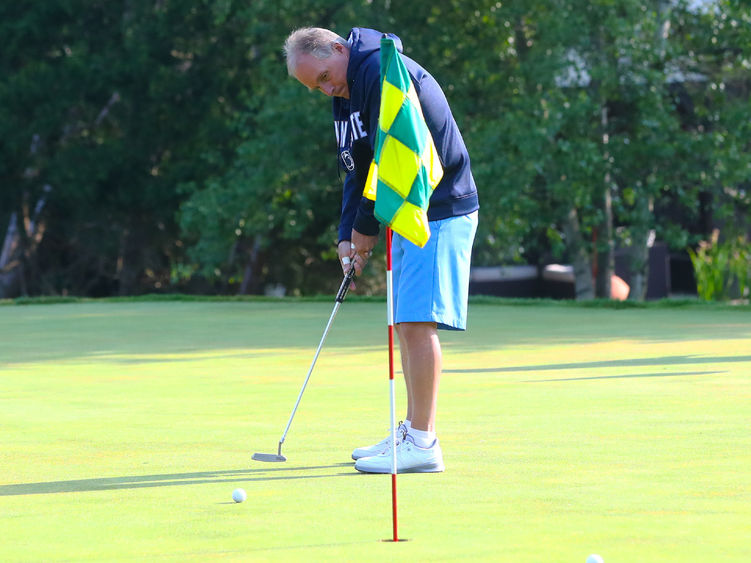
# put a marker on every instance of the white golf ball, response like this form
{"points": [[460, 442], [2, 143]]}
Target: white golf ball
{"points": [[239, 495], [594, 558]]}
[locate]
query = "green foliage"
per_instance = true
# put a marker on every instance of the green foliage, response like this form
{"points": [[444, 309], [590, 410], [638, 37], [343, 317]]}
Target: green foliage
{"points": [[183, 157], [121, 100], [720, 267]]}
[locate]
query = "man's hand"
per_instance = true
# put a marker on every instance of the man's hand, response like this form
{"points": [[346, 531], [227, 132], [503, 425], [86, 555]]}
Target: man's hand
{"points": [[345, 255], [357, 252], [362, 247]]}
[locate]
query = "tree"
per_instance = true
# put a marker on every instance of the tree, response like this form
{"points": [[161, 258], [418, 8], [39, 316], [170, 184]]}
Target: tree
{"points": [[171, 151], [119, 99]]}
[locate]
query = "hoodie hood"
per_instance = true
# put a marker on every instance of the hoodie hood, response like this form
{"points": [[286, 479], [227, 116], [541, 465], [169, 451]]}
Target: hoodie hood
{"points": [[364, 43]]}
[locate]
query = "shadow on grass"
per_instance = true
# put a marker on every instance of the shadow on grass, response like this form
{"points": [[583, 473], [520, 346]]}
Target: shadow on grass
{"points": [[168, 480], [626, 376], [664, 361]]}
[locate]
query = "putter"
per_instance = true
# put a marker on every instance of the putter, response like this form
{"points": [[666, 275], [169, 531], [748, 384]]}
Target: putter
{"points": [[339, 298]]}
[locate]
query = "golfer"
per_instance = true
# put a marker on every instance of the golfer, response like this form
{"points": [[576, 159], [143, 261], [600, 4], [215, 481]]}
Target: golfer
{"points": [[430, 284]]}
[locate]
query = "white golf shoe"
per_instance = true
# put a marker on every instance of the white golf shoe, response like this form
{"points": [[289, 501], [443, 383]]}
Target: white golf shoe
{"points": [[409, 459], [382, 446]]}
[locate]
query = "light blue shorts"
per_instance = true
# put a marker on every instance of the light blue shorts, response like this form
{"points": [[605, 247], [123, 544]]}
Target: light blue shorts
{"points": [[431, 284]]}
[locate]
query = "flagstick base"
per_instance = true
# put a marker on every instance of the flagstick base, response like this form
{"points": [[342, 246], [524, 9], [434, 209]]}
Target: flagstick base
{"points": [[395, 538]]}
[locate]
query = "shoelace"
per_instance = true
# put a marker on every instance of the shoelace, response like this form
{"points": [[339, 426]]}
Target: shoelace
{"points": [[403, 429], [408, 442], [401, 433]]}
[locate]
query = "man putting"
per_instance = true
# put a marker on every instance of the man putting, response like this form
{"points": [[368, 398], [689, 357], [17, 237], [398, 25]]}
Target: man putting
{"points": [[430, 284]]}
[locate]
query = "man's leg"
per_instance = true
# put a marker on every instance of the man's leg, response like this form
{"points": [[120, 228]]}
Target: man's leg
{"points": [[431, 285], [421, 362], [385, 444], [419, 450], [404, 353]]}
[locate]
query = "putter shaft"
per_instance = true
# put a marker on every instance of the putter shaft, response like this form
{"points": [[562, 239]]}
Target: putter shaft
{"points": [[341, 294]]}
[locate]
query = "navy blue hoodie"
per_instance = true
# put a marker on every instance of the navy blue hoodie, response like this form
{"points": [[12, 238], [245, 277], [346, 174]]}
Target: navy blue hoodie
{"points": [[356, 124]]}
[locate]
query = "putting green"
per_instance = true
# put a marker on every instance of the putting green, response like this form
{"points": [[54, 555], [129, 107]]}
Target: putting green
{"points": [[566, 431]]}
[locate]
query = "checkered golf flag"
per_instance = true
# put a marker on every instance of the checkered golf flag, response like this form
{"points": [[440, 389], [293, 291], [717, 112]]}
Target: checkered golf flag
{"points": [[406, 167]]}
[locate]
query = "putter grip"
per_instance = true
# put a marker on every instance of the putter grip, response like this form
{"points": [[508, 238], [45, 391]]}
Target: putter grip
{"points": [[345, 285]]}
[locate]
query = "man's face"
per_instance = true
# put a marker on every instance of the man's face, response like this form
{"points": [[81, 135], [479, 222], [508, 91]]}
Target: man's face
{"points": [[327, 75]]}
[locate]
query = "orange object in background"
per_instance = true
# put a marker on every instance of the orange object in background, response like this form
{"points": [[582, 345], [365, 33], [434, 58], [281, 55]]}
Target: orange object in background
{"points": [[619, 289]]}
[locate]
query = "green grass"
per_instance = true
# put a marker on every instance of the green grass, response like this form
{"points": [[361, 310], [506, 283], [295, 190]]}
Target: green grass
{"points": [[125, 426]]}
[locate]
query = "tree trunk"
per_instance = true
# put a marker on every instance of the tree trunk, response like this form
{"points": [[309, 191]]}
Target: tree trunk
{"points": [[19, 247], [644, 205], [582, 265], [638, 257], [250, 268], [9, 270], [604, 247], [639, 251], [126, 275]]}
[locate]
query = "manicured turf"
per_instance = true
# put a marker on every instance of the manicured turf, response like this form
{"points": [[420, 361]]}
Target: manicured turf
{"points": [[125, 427]]}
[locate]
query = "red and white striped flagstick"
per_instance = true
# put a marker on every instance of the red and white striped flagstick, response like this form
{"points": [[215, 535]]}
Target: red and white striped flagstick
{"points": [[390, 316]]}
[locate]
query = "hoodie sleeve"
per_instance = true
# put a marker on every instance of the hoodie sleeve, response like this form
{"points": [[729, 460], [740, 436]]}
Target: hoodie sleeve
{"points": [[365, 221], [350, 200], [357, 211]]}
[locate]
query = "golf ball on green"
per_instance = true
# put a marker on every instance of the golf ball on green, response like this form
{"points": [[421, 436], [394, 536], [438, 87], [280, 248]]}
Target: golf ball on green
{"points": [[594, 558], [239, 495]]}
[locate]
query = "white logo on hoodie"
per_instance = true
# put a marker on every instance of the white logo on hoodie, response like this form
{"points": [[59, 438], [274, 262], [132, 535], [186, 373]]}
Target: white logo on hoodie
{"points": [[348, 131], [358, 130]]}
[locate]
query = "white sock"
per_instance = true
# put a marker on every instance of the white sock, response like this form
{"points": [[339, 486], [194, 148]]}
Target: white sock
{"points": [[422, 438]]}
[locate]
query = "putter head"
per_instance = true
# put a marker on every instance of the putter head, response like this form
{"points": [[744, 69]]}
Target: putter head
{"points": [[269, 457]]}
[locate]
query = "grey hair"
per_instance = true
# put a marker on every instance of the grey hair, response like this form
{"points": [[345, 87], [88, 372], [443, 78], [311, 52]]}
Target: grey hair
{"points": [[315, 41]]}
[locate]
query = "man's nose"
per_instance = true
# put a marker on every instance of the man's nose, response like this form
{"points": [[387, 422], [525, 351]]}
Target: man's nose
{"points": [[327, 89]]}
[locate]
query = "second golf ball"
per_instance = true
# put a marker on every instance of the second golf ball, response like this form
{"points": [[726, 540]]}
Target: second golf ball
{"points": [[239, 495]]}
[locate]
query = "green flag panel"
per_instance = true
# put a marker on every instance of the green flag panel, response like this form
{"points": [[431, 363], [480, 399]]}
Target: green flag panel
{"points": [[409, 128]]}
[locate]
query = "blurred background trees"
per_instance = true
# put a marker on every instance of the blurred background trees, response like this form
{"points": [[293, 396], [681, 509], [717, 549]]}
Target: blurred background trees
{"points": [[155, 146]]}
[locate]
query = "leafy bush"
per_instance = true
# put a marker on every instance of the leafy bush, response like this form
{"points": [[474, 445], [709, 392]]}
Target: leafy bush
{"points": [[720, 265]]}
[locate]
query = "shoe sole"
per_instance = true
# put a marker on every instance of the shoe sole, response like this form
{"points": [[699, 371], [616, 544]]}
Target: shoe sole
{"points": [[421, 469]]}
